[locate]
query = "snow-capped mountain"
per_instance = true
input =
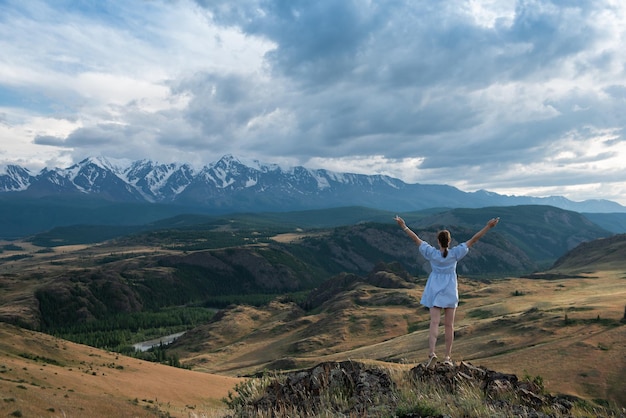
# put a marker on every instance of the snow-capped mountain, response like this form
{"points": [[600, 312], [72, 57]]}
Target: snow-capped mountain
{"points": [[14, 179], [158, 182], [232, 185]]}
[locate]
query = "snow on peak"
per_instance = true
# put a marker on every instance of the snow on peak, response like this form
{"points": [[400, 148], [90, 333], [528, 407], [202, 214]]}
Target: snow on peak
{"points": [[17, 178], [229, 160], [116, 165], [12, 170]]}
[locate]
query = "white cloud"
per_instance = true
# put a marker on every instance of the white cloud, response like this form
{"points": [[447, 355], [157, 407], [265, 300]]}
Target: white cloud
{"points": [[491, 13]]}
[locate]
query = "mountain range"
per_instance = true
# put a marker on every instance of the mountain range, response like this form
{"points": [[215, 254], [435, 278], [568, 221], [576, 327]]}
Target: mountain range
{"points": [[230, 185]]}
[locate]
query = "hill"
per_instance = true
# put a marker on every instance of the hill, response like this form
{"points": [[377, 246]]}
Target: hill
{"points": [[606, 254], [614, 222], [543, 233], [569, 333], [45, 376], [21, 217], [251, 259]]}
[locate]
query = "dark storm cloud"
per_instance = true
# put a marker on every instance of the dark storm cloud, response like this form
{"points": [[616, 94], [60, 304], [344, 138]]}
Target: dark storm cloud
{"points": [[49, 140], [405, 72]]}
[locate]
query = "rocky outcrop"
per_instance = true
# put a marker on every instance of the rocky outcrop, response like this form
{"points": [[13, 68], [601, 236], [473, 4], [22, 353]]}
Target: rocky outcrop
{"points": [[345, 387], [505, 391], [350, 388]]}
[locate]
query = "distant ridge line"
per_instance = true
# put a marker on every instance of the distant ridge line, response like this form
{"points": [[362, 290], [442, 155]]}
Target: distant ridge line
{"points": [[230, 185]]}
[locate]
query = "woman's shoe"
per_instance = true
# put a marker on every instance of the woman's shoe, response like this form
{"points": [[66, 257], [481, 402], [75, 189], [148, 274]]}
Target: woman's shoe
{"points": [[431, 357], [448, 362]]}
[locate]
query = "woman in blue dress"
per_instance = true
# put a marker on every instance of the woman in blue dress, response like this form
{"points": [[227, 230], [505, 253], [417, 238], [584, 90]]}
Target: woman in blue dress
{"points": [[441, 290]]}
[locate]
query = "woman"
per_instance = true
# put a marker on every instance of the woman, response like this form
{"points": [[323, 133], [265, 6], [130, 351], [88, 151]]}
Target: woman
{"points": [[441, 291]]}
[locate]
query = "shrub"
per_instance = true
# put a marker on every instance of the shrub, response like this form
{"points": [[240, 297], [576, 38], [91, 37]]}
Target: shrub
{"points": [[480, 313]]}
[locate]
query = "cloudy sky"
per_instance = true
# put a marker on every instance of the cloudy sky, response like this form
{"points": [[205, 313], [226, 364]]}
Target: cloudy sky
{"points": [[522, 97]]}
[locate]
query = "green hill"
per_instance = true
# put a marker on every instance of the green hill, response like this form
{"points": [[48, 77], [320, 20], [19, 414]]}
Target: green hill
{"points": [[608, 253]]}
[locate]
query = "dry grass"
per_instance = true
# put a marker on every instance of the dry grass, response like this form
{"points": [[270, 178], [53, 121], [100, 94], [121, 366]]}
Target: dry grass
{"points": [[44, 376], [584, 358], [409, 397], [290, 237], [510, 325]]}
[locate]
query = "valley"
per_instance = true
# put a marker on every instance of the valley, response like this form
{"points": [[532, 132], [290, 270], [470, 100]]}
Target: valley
{"points": [[291, 297]]}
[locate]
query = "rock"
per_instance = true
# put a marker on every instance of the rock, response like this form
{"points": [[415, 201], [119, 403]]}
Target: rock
{"points": [[354, 386], [503, 389]]}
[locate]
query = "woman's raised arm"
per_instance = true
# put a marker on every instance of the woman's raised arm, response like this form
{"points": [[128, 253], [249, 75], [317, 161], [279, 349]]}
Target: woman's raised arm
{"points": [[490, 224], [406, 229]]}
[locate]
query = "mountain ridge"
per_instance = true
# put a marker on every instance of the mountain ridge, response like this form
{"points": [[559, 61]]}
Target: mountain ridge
{"points": [[215, 261], [232, 185]]}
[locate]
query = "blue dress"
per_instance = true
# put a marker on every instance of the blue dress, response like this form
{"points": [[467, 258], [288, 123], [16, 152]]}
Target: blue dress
{"points": [[441, 287]]}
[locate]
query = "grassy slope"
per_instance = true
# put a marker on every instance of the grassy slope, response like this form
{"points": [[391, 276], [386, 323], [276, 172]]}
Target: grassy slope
{"points": [[585, 358], [524, 334], [44, 376]]}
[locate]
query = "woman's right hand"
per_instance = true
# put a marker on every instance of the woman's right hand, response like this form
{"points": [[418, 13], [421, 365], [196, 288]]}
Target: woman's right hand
{"points": [[493, 222], [400, 222]]}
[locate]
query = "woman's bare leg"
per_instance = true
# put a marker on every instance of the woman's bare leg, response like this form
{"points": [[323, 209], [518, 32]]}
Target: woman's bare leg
{"points": [[449, 329], [435, 319]]}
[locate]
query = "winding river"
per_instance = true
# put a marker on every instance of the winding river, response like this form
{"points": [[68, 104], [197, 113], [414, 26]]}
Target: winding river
{"points": [[147, 345]]}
